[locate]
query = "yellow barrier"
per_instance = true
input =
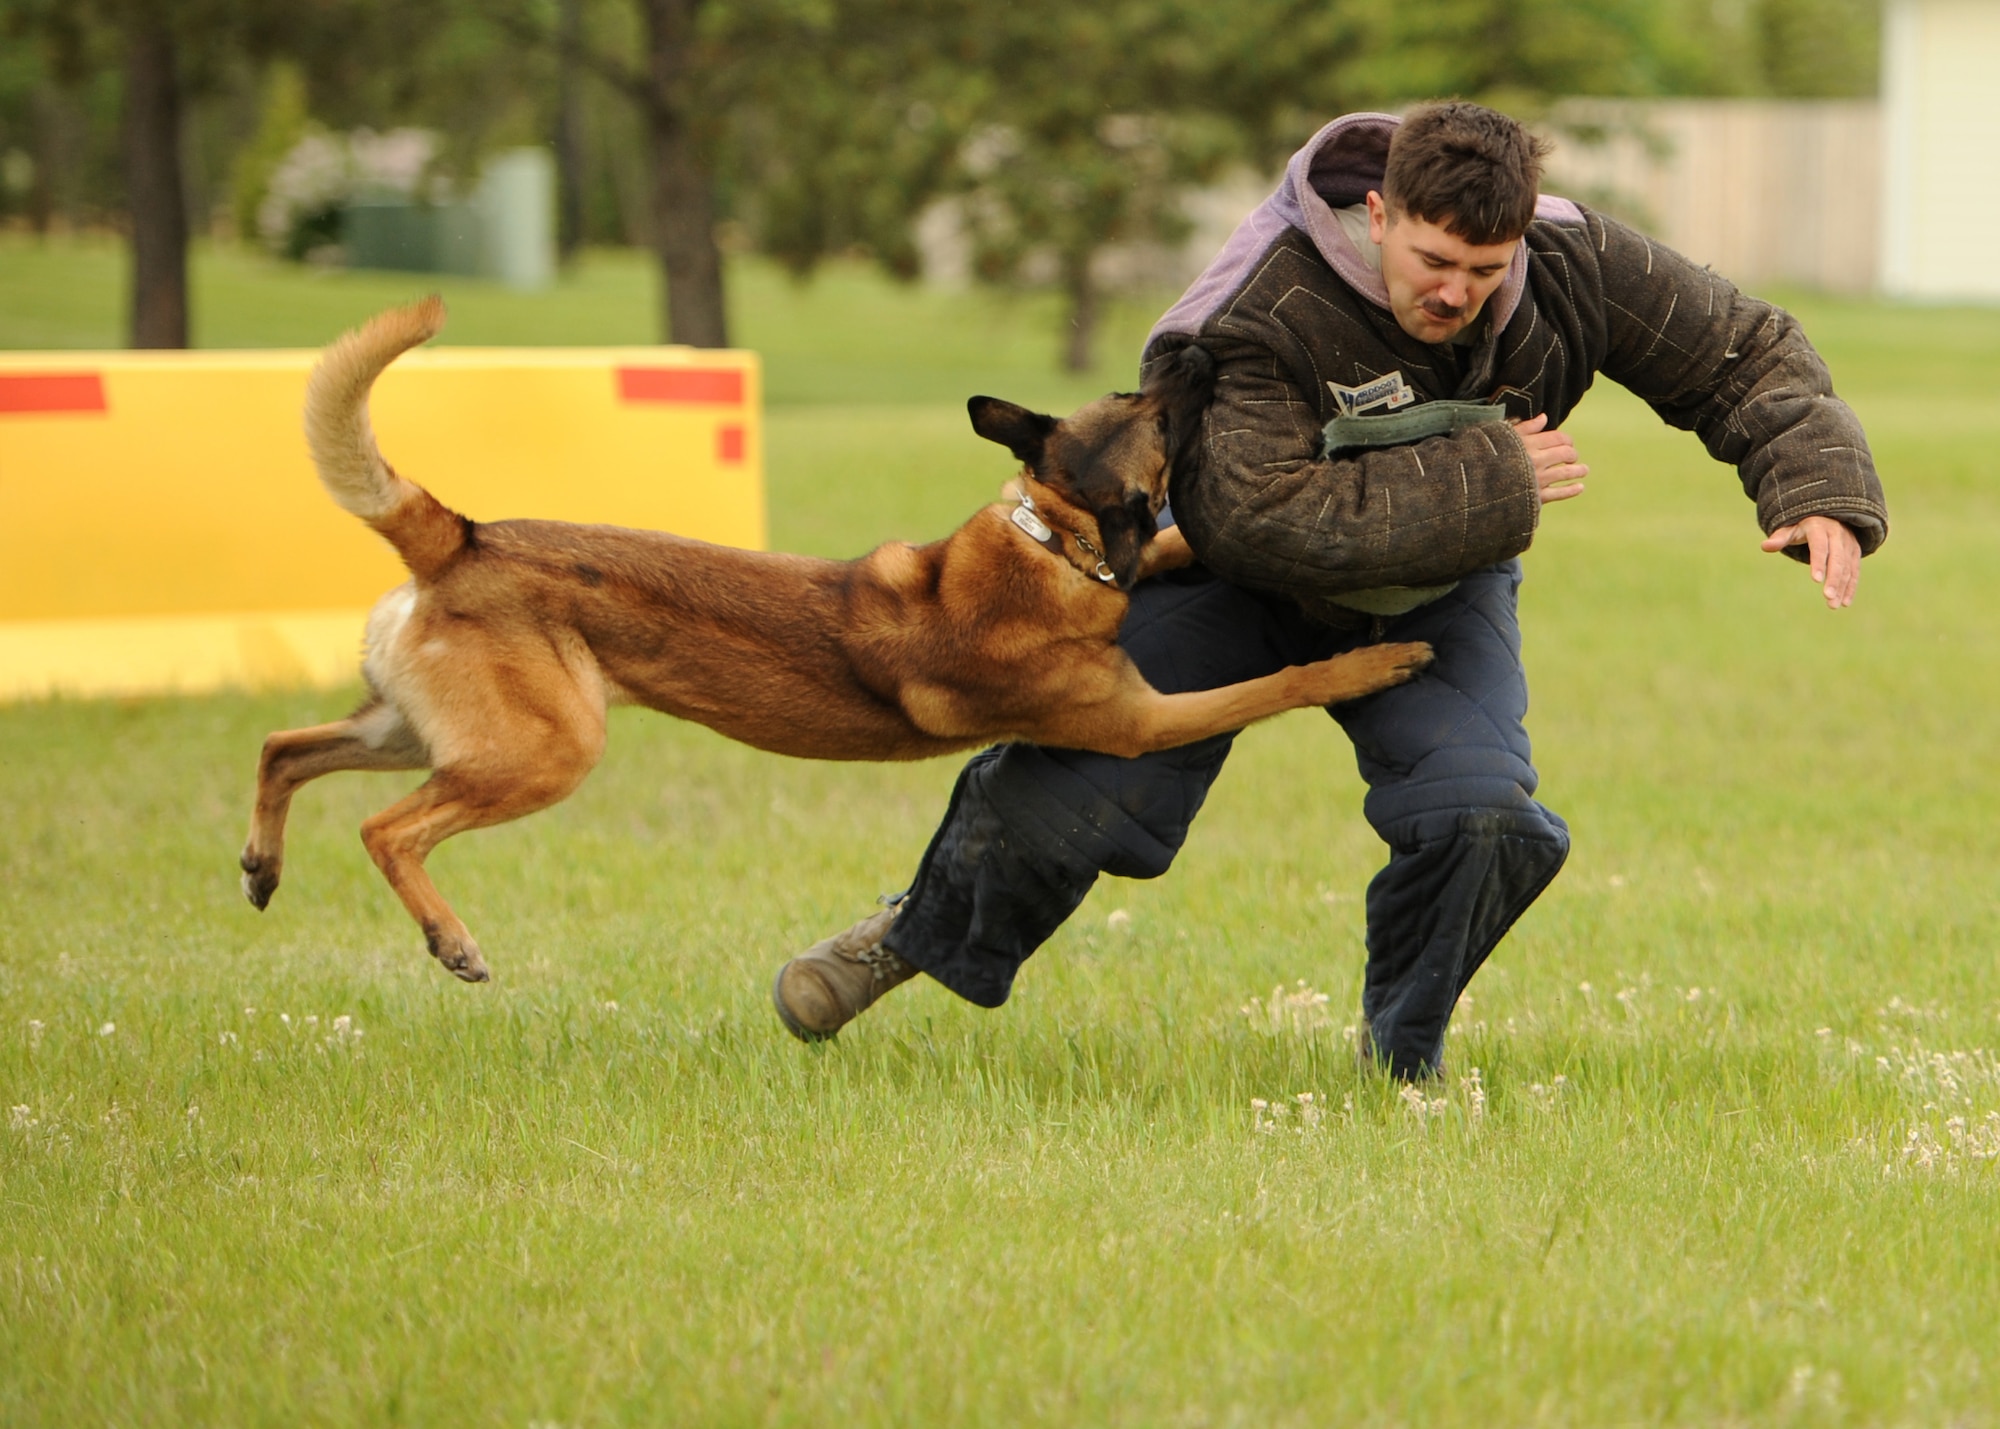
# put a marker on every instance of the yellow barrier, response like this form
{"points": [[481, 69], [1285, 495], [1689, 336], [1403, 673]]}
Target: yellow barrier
{"points": [[162, 529]]}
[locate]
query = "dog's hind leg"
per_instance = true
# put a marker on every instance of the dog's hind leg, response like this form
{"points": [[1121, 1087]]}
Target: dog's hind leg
{"points": [[374, 737], [452, 801]]}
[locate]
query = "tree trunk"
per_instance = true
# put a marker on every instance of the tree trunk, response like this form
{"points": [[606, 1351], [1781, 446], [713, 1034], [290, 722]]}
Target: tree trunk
{"points": [[152, 125], [569, 133], [46, 120], [683, 189], [1081, 289]]}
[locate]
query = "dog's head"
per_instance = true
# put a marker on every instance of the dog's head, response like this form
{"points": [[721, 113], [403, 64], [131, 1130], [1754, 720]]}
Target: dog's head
{"points": [[1114, 456]]}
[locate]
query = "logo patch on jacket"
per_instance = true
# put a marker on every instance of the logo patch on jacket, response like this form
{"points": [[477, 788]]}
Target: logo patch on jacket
{"points": [[1390, 392]]}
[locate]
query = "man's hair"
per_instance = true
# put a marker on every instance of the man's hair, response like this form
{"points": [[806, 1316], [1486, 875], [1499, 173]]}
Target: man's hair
{"points": [[1469, 169]]}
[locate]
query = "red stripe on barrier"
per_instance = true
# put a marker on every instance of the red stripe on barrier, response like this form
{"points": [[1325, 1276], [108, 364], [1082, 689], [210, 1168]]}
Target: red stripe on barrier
{"points": [[52, 392], [681, 384], [729, 445]]}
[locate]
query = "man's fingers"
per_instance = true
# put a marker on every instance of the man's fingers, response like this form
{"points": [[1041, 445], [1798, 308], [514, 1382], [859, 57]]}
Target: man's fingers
{"points": [[1843, 573], [1833, 556], [1548, 451], [1558, 474]]}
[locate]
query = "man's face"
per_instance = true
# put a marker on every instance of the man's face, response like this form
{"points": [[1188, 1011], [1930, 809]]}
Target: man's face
{"points": [[1438, 283]]}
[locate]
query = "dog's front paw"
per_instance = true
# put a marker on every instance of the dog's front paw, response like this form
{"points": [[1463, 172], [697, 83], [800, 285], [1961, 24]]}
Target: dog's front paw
{"points": [[260, 879], [1364, 671], [1407, 660], [1167, 551]]}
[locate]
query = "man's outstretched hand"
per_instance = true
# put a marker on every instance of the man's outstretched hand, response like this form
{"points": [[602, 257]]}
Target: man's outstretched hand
{"points": [[1832, 550], [1833, 555], [1557, 471]]}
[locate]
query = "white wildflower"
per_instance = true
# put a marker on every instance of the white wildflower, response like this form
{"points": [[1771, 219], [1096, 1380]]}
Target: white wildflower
{"points": [[1547, 1095], [1119, 921], [107, 1029], [1423, 1108], [1298, 1011]]}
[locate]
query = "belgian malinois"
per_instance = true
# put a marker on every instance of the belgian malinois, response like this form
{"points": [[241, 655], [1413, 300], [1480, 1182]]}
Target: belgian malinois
{"points": [[494, 665]]}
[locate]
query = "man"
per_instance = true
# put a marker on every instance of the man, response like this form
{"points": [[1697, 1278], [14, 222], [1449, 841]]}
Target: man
{"points": [[1407, 289]]}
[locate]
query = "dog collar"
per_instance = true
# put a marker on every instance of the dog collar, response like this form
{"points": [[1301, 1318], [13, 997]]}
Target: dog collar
{"points": [[1039, 530]]}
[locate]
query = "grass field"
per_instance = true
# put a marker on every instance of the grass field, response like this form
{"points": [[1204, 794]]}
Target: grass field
{"points": [[1731, 1153]]}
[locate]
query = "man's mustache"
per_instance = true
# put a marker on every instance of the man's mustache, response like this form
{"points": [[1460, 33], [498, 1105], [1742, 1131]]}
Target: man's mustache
{"points": [[1442, 310]]}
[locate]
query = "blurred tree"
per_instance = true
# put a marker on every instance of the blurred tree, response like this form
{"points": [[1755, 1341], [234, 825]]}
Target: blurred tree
{"points": [[569, 129], [1057, 130], [1819, 49], [154, 186], [681, 73], [143, 41], [818, 127], [165, 53]]}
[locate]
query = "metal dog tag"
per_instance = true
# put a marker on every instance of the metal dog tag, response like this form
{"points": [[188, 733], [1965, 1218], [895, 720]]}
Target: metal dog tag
{"points": [[1031, 523]]}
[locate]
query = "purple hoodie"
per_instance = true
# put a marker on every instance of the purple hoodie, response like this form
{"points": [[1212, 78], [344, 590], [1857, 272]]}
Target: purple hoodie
{"points": [[1336, 168]]}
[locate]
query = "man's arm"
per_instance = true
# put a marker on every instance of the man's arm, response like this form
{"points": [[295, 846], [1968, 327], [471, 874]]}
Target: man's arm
{"points": [[1265, 510], [1740, 374]]}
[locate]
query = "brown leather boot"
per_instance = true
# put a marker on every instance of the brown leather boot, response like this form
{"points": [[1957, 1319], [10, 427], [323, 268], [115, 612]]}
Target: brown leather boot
{"points": [[837, 979]]}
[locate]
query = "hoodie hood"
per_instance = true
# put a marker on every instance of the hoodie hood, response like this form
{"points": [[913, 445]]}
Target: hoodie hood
{"points": [[1336, 168]]}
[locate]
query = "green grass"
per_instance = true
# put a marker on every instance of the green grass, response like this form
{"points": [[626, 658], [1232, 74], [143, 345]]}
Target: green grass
{"points": [[1730, 1160]]}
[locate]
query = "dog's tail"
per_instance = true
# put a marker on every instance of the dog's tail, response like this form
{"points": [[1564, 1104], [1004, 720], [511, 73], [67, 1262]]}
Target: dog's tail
{"points": [[425, 533]]}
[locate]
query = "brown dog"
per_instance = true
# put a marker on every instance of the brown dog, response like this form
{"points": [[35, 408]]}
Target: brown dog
{"points": [[494, 665]]}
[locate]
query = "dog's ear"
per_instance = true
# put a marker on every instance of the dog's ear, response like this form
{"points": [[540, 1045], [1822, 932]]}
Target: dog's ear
{"points": [[1022, 432], [1180, 381]]}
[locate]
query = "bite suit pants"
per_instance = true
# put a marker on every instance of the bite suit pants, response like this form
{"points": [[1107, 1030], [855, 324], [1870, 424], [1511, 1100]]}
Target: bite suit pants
{"points": [[1450, 791]]}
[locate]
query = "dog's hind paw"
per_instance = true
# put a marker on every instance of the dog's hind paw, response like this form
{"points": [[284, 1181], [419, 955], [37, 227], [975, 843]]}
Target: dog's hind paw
{"points": [[459, 955], [468, 966], [260, 881]]}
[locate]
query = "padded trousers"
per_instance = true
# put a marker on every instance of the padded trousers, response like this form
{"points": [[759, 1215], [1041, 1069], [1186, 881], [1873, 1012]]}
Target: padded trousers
{"points": [[1450, 791]]}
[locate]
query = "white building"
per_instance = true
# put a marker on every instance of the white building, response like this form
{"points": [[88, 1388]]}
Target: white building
{"points": [[1941, 149]]}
